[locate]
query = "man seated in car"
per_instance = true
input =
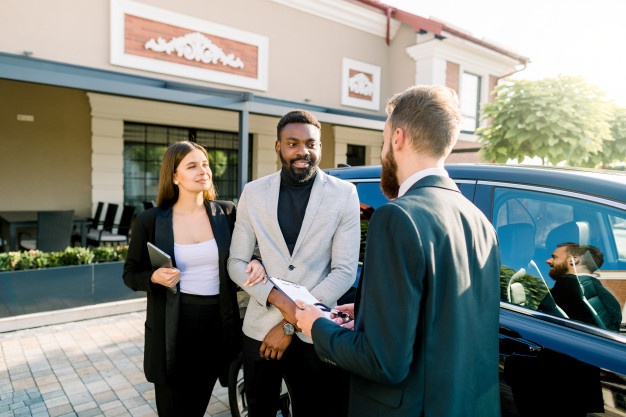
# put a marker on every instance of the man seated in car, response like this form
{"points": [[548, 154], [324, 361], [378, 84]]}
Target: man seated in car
{"points": [[577, 291]]}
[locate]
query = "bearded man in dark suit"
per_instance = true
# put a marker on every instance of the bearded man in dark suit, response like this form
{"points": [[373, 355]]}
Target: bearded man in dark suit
{"points": [[424, 339]]}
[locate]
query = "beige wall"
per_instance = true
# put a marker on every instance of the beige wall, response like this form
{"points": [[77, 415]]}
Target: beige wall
{"points": [[401, 65], [45, 164], [71, 156], [305, 51]]}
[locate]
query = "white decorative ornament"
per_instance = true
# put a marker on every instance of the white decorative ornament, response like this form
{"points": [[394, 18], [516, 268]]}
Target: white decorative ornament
{"points": [[195, 47], [360, 84]]}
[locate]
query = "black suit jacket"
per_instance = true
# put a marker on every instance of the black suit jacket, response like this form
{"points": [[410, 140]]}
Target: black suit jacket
{"points": [[425, 341], [155, 225]]}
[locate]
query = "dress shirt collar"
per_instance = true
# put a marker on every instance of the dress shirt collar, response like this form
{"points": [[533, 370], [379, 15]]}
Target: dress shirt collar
{"points": [[404, 187]]}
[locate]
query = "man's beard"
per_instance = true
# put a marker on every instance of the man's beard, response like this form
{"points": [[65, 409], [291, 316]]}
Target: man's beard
{"points": [[557, 270], [298, 174], [388, 177]]}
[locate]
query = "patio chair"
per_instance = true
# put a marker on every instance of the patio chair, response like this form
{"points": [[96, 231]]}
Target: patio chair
{"points": [[54, 231], [93, 223], [107, 236]]}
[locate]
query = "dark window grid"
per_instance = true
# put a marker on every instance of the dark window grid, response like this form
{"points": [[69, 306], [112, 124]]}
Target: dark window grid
{"points": [[355, 155], [144, 148]]}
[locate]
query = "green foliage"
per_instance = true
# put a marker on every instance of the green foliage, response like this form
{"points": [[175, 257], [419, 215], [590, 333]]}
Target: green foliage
{"points": [[109, 253], [616, 150], [534, 287], [219, 162], [561, 119], [35, 259]]}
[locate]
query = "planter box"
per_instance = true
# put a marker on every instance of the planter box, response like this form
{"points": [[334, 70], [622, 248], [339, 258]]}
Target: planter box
{"points": [[49, 289]]}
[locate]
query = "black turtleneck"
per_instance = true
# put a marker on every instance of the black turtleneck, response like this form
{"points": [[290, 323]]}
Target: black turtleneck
{"points": [[292, 202]]}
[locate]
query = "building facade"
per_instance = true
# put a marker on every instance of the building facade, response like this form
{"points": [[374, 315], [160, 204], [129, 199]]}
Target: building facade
{"points": [[91, 93]]}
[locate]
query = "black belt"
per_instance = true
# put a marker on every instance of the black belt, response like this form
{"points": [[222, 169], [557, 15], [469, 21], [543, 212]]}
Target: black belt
{"points": [[199, 299]]}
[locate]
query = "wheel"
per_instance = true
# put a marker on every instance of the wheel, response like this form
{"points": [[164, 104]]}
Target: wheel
{"points": [[237, 392]]}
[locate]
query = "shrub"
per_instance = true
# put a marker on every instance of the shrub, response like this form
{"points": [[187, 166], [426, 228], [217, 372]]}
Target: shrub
{"points": [[35, 259]]}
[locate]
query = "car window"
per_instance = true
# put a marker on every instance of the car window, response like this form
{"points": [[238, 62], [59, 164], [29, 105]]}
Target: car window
{"points": [[530, 225], [370, 197]]}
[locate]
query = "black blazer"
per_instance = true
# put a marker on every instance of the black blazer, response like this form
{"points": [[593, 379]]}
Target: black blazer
{"points": [[425, 340], [155, 225]]}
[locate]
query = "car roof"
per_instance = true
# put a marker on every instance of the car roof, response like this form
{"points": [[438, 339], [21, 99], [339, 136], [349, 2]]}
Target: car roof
{"points": [[604, 183]]}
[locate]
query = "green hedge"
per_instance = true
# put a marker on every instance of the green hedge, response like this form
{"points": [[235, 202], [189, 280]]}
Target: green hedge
{"points": [[35, 259]]}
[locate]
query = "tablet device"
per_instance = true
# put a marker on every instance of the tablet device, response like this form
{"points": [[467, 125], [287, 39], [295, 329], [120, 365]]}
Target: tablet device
{"points": [[160, 259]]}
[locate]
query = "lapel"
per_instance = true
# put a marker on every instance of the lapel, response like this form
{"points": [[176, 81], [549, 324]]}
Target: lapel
{"points": [[164, 232], [312, 208], [221, 231], [164, 239], [271, 207]]}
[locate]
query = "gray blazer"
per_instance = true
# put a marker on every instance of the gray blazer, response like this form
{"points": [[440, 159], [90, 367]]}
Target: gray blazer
{"points": [[324, 258]]}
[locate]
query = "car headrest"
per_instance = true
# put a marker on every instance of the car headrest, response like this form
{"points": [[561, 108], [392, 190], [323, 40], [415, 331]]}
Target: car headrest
{"points": [[517, 244], [577, 232]]}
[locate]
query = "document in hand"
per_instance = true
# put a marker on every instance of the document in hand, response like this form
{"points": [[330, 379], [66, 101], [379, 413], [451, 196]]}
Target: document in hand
{"points": [[297, 292], [160, 259]]}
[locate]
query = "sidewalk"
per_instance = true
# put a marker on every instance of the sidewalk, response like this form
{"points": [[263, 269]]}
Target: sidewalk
{"points": [[92, 367]]}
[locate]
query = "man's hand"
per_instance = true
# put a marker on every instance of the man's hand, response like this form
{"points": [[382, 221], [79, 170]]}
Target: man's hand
{"points": [[275, 343], [306, 314], [347, 322]]}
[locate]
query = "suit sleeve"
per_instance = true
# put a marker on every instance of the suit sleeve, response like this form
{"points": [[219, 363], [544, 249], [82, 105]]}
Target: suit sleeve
{"points": [[388, 310], [242, 250]]}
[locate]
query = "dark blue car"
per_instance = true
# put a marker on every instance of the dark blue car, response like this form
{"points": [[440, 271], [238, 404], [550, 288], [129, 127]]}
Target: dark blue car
{"points": [[550, 365]]}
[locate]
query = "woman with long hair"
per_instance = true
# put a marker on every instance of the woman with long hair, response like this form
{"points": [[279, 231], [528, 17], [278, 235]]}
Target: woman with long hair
{"points": [[192, 329]]}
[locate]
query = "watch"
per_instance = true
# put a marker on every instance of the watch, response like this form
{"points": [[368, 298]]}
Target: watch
{"points": [[288, 329]]}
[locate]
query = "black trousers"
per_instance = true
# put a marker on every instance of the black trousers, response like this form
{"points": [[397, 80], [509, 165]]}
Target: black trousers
{"points": [[188, 392], [317, 389]]}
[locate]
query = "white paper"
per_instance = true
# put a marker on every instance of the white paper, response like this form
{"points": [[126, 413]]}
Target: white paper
{"points": [[295, 292]]}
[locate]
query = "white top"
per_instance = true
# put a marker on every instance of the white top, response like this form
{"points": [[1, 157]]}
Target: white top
{"points": [[199, 268]]}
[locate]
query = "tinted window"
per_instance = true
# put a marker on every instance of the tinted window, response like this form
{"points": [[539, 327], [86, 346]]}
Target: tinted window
{"points": [[531, 224]]}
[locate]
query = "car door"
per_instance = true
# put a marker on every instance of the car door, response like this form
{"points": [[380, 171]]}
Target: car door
{"points": [[551, 364]]}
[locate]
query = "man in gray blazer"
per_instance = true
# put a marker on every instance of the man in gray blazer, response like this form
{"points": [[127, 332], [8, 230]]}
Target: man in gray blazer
{"points": [[306, 225], [425, 339]]}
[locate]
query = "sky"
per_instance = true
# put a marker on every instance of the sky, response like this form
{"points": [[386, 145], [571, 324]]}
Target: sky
{"points": [[570, 37]]}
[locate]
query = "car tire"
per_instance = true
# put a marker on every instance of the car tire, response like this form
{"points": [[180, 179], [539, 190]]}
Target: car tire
{"points": [[237, 392]]}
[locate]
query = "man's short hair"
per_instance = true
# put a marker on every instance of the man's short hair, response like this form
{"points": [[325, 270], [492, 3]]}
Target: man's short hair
{"points": [[430, 117], [296, 116], [590, 255]]}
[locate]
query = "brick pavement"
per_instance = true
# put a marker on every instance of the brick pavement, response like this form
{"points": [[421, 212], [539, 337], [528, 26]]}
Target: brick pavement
{"points": [[83, 368]]}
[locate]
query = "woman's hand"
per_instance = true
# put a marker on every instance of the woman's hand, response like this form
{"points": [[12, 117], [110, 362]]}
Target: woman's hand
{"points": [[256, 273], [168, 277]]}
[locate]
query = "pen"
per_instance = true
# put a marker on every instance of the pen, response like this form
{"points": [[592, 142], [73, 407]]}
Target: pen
{"points": [[324, 307]]}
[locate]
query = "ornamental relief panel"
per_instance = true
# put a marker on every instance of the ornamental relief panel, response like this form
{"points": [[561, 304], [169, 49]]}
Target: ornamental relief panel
{"points": [[158, 40], [195, 47], [360, 86], [161, 41]]}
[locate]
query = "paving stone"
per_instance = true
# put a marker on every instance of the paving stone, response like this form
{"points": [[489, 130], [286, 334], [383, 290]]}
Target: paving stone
{"points": [[89, 368]]}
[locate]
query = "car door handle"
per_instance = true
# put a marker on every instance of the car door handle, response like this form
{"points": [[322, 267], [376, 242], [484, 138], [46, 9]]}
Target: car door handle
{"points": [[518, 346]]}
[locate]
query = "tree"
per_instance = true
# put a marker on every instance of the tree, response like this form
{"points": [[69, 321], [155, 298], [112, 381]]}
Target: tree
{"points": [[615, 151], [561, 119]]}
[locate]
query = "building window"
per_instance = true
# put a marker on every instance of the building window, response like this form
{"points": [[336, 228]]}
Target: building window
{"points": [[470, 101], [144, 146], [355, 155]]}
